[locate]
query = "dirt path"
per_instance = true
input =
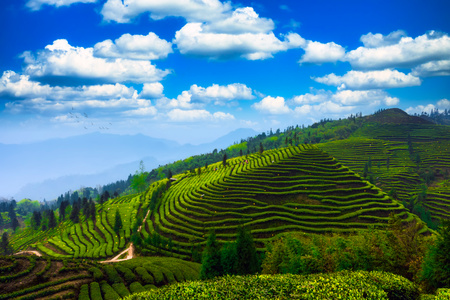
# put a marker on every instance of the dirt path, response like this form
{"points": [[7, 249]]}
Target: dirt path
{"points": [[29, 252], [130, 249]]}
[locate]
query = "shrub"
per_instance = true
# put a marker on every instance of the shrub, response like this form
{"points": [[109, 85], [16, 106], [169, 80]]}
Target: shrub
{"points": [[136, 287], [96, 273], [126, 273], [146, 278], [121, 289], [111, 273], [436, 266], [108, 292], [156, 272], [84, 292], [95, 291]]}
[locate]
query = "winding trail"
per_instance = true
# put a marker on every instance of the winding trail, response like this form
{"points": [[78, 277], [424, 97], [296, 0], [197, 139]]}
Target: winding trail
{"points": [[29, 252], [130, 249]]}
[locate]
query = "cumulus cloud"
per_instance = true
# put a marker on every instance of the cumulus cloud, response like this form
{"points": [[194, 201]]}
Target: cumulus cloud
{"points": [[443, 104], [197, 96], [37, 4], [242, 20], [123, 11], [357, 80], [137, 47], [152, 90], [141, 112], [61, 60], [433, 68], [193, 40], [371, 40], [271, 105], [318, 53], [18, 86], [178, 115], [407, 52], [341, 101], [220, 94]]}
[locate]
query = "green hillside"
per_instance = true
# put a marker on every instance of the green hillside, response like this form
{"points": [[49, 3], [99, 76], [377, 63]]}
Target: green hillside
{"points": [[30, 277]]}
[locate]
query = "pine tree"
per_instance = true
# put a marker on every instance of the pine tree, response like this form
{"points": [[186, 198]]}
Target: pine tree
{"points": [[224, 160], [247, 260], [117, 222], [75, 213], [228, 258], [211, 265], [1, 220], [261, 148], [51, 219], [4, 244]]}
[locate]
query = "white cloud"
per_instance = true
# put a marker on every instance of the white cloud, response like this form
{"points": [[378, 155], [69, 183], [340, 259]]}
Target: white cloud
{"points": [[377, 40], [152, 90], [37, 4], [433, 68], [271, 105], [178, 115], [320, 103], [63, 60], [443, 104], [358, 80], [370, 97], [407, 52], [242, 20], [318, 53], [20, 86], [197, 96], [420, 108], [138, 47], [123, 11], [142, 112], [221, 94], [193, 40]]}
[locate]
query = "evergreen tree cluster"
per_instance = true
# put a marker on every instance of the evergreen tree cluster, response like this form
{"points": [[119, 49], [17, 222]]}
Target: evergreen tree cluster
{"points": [[238, 258]]}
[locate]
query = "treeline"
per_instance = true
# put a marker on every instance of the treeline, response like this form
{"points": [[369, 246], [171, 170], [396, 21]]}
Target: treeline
{"points": [[435, 116]]}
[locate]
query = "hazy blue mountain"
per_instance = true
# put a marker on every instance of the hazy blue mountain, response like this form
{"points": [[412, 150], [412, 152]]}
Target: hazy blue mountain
{"points": [[45, 169]]}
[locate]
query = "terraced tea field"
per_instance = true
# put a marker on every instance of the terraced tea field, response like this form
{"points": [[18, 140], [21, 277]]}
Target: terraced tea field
{"points": [[29, 277], [290, 189]]}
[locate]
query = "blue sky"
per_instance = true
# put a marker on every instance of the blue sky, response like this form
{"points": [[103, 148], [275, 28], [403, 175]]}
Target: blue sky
{"points": [[193, 70]]}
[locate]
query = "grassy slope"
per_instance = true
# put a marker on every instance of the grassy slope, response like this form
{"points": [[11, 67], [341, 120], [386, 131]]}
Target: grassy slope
{"points": [[31, 278]]}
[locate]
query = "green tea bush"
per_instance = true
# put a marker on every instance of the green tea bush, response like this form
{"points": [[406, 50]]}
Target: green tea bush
{"points": [[111, 273], [108, 292], [341, 285], [126, 273], [136, 287], [121, 289], [84, 292], [95, 291], [156, 272], [146, 278], [96, 273]]}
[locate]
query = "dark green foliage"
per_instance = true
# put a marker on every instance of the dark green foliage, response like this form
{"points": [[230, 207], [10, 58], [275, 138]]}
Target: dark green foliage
{"points": [[13, 217], [224, 160], [95, 291], [139, 181], [111, 274], [51, 218], [146, 278], [436, 266], [121, 289], [136, 287], [75, 213], [117, 222], [247, 260], [62, 209], [156, 272], [108, 292], [126, 273], [228, 258], [96, 273], [5, 248], [84, 292], [211, 265]]}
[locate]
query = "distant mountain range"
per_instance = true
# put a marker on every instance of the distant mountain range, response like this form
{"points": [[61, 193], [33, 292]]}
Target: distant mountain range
{"points": [[47, 169]]}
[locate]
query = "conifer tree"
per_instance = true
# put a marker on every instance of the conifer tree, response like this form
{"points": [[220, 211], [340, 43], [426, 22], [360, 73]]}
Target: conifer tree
{"points": [[211, 265], [75, 213], [228, 258], [247, 260], [4, 244], [1, 220], [224, 160], [51, 219], [117, 222]]}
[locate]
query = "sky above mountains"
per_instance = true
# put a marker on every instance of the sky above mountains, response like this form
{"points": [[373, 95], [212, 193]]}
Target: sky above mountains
{"points": [[193, 70]]}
